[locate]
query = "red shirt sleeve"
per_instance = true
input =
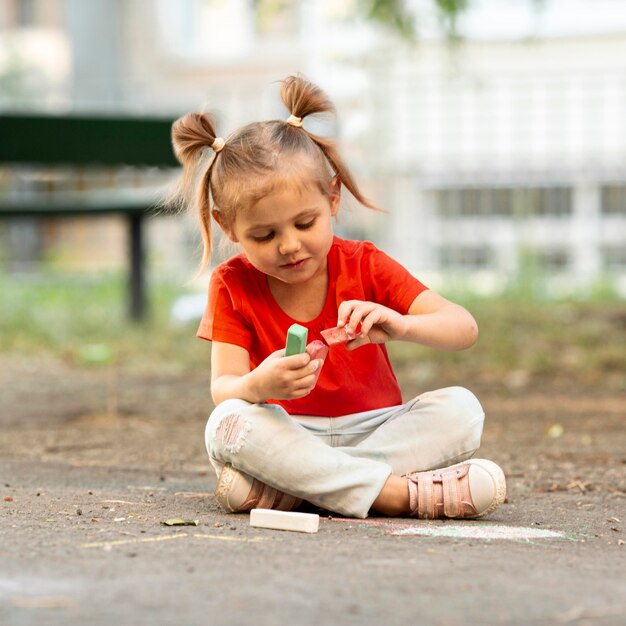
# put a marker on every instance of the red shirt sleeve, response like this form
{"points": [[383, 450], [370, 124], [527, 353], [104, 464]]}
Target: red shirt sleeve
{"points": [[388, 282], [223, 316]]}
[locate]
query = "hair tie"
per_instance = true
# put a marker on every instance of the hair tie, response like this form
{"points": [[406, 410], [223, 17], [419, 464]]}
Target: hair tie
{"points": [[218, 144], [294, 120]]}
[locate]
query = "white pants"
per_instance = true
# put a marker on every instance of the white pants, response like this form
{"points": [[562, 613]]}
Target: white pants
{"points": [[342, 463]]}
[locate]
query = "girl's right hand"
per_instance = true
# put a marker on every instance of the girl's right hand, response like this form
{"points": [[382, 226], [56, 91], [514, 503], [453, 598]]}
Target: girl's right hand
{"points": [[283, 377]]}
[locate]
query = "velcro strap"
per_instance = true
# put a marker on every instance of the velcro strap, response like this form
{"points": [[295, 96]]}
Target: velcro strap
{"points": [[425, 500], [451, 495], [413, 496]]}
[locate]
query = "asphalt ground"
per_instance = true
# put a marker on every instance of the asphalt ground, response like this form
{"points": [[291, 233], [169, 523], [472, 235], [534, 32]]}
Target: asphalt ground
{"points": [[85, 495]]}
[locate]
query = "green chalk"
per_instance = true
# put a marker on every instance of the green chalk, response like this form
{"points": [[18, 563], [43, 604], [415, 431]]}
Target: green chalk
{"points": [[296, 339]]}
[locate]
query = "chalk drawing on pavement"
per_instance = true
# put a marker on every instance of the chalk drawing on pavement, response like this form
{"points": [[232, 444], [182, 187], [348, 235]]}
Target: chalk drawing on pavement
{"points": [[481, 531]]}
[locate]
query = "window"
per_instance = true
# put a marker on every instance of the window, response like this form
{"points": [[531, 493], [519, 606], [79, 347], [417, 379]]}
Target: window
{"points": [[503, 201], [548, 201], [613, 200], [614, 257], [473, 202], [464, 257], [553, 259]]}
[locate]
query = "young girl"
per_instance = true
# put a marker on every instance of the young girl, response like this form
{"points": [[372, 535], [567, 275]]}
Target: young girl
{"points": [[332, 431]]}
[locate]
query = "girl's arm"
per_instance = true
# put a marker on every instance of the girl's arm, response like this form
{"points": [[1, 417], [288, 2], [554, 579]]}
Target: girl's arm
{"points": [[278, 377], [431, 320], [436, 322]]}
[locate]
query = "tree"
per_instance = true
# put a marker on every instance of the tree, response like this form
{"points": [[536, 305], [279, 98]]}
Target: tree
{"points": [[400, 15]]}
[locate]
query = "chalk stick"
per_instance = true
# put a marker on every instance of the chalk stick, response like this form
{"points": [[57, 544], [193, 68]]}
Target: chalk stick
{"points": [[296, 340], [335, 336], [285, 520], [317, 349]]}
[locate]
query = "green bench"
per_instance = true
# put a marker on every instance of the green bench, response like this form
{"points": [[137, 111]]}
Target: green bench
{"points": [[84, 142]]}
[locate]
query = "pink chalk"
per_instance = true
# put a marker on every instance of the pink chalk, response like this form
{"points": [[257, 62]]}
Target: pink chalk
{"points": [[317, 349], [334, 336]]}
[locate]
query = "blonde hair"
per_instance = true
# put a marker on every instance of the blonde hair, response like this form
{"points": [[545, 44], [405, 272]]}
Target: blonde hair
{"points": [[252, 161]]}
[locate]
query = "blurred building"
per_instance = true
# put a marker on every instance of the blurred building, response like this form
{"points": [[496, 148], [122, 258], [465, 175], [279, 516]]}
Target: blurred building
{"points": [[504, 157], [495, 157]]}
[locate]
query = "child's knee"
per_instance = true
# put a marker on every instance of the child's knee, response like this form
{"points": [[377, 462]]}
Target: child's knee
{"points": [[466, 408], [231, 424], [461, 408], [464, 403], [227, 428]]}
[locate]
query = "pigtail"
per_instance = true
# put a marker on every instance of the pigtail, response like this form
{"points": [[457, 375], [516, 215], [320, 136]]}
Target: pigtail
{"points": [[301, 98], [254, 160], [192, 134]]}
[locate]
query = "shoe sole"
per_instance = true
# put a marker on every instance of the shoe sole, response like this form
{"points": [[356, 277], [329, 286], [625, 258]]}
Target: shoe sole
{"points": [[499, 482]]}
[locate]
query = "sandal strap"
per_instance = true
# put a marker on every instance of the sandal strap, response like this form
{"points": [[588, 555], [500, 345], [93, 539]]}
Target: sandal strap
{"points": [[287, 502], [451, 494], [441, 492], [271, 498], [267, 497], [426, 496]]}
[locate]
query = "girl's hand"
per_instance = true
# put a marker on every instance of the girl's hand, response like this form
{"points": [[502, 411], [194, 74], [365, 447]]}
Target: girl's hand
{"points": [[378, 323], [430, 321], [285, 377]]}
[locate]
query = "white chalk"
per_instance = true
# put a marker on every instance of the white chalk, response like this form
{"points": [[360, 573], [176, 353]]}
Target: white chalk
{"points": [[285, 520]]}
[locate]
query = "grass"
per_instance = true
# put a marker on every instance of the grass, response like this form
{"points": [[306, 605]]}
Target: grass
{"points": [[524, 341], [83, 320]]}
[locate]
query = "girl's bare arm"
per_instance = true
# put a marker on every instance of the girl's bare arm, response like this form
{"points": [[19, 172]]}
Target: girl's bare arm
{"points": [[436, 322]]}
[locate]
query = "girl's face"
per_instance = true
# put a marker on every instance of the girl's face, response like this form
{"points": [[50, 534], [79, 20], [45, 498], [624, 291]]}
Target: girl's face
{"points": [[288, 233]]}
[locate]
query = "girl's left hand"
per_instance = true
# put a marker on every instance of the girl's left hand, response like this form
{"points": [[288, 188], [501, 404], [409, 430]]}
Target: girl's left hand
{"points": [[378, 323]]}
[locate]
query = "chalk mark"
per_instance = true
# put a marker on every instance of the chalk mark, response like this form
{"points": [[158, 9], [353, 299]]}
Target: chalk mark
{"points": [[486, 532], [468, 530], [123, 542]]}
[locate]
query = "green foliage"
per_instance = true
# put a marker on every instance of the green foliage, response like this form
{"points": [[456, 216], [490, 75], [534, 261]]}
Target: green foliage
{"points": [[395, 14], [267, 9], [391, 13], [528, 281], [449, 12], [398, 15], [84, 320], [523, 340], [530, 341]]}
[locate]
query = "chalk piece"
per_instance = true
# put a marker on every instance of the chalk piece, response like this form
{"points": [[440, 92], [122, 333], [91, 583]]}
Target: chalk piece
{"points": [[335, 336], [285, 520], [296, 340], [317, 349]]}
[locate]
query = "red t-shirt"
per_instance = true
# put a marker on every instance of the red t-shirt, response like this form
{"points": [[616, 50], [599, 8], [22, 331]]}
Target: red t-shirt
{"points": [[242, 311]]}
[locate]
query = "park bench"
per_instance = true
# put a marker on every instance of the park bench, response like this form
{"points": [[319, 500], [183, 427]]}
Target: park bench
{"points": [[47, 141]]}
